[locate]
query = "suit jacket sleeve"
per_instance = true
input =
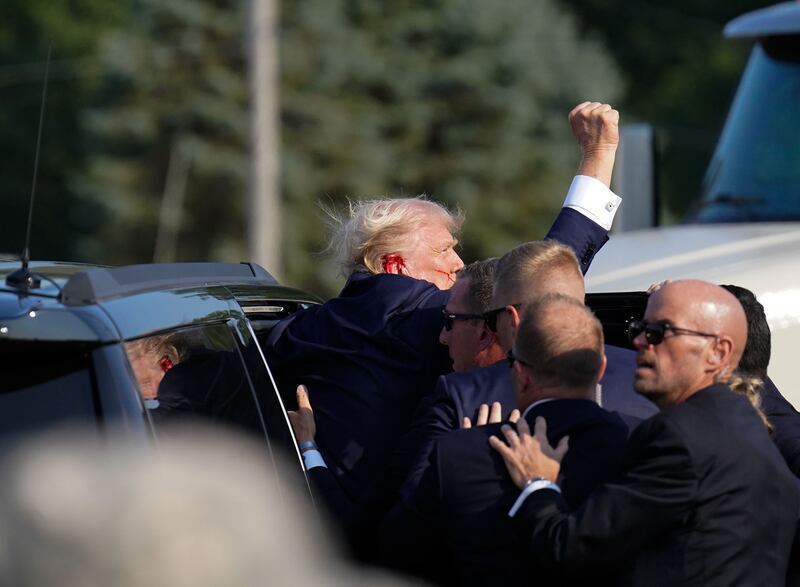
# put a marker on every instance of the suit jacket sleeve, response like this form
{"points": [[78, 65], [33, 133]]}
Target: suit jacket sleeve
{"points": [[786, 423], [435, 416], [653, 495], [411, 534], [582, 235], [328, 493]]}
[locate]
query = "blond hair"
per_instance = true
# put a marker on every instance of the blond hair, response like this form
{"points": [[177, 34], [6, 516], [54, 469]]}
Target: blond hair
{"points": [[750, 387], [529, 263], [372, 229]]}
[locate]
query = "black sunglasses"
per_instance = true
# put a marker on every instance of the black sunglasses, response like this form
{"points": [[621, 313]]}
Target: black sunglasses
{"points": [[491, 316], [450, 317], [654, 331]]}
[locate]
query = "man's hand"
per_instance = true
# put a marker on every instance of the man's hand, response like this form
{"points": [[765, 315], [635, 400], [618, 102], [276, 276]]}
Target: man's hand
{"points": [[303, 419], [596, 128], [490, 416], [528, 457]]}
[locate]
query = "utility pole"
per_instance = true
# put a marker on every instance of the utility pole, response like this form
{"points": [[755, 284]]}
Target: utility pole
{"points": [[264, 211]]}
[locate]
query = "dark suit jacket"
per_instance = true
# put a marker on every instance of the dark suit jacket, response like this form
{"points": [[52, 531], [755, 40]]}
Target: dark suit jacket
{"points": [[704, 499], [786, 422], [459, 512], [368, 356], [461, 394]]}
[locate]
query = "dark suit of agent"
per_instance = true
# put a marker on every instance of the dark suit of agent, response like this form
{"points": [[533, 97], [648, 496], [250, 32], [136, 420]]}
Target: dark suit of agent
{"points": [[461, 503], [460, 395], [704, 497], [457, 512]]}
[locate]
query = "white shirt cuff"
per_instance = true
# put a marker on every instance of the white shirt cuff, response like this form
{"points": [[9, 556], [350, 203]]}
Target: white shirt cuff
{"points": [[593, 199], [312, 459], [530, 488]]}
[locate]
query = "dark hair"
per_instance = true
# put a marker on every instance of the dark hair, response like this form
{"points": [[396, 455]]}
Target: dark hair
{"points": [[758, 348], [481, 284], [560, 341]]}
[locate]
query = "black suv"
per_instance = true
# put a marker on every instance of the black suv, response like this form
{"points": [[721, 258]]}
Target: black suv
{"points": [[136, 348]]}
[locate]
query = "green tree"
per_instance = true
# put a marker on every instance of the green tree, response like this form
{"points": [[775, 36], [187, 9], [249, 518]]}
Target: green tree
{"points": [[175, 95], [465, 100], [61, 214]]}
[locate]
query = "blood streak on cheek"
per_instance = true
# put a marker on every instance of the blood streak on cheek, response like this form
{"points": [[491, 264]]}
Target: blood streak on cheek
{"points": [[450, 277]]}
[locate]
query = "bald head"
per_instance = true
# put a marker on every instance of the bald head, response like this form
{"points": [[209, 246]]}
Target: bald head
{"points": [[705, 332], [711, 308]]}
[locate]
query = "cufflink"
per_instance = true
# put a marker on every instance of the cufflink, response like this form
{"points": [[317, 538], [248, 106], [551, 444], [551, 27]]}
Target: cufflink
{"points": [[609, 206]]}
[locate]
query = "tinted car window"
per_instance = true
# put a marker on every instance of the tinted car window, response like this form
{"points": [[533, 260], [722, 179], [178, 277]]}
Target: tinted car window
{"points": [[272, 408], [195, 373], [41, 388], [215, 375]]}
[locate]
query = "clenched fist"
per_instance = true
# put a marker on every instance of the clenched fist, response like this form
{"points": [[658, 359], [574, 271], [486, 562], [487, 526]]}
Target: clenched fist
{"points": [[596, 128]]}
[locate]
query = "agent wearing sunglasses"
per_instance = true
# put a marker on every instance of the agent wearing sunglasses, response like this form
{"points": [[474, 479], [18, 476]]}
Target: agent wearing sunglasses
{"points": [[464, 332], [702, 483], [523, 275]]}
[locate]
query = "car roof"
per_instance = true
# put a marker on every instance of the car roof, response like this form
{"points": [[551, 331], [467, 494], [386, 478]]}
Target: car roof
{"points": [[97, 304]]}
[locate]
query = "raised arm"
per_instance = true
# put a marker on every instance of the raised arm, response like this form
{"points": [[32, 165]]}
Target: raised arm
{"points": [[590, 206]]}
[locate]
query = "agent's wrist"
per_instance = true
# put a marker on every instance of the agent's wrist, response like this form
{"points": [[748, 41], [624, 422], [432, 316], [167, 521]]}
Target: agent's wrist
{"points": [[307, 445]]}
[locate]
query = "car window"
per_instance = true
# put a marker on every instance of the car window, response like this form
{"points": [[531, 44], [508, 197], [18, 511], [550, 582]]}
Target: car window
{"points": [[274, 412], [41, 388], [195, 374], [216, 375]]}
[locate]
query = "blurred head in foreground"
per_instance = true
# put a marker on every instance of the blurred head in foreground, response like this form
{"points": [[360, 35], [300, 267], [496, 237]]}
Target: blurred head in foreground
{"points": [[202, 510]]}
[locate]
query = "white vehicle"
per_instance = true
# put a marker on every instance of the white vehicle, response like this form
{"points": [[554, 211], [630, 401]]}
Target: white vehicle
{"points": [[745, 228]]}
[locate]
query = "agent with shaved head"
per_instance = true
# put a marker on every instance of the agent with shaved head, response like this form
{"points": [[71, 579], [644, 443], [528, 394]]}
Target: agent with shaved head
{"points": [[704, 497]]}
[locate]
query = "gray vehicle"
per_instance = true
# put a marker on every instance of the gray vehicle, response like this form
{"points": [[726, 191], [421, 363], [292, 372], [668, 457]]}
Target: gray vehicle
{"points": [[135, 349]]}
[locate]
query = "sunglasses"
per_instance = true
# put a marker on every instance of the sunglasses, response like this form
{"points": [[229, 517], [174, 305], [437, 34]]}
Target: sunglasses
{"points": [[654, 331], [491, 316], [450, 317]]}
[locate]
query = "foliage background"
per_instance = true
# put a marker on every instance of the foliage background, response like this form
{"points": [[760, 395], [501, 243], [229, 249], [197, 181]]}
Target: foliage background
{"points": [[464, 100]]}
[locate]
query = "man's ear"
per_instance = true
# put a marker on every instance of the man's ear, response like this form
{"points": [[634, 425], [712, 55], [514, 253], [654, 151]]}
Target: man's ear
{"points": [[394, 265], [487, 338], [603, 365], [516, 318], [721, 353]]}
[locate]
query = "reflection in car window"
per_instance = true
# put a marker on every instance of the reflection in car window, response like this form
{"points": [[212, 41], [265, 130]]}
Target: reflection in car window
{"points": [[210, 374], [150, 359], [195, 373], [43, 388]]}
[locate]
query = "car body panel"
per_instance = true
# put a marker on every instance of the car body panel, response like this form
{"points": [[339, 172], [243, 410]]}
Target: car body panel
{"points": [[763, 257]]}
